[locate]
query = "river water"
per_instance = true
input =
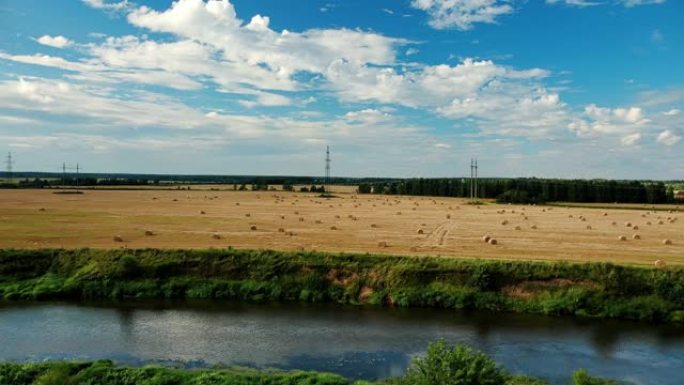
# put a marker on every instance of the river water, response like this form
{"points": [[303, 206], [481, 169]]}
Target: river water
{"points": [[365, 343]]}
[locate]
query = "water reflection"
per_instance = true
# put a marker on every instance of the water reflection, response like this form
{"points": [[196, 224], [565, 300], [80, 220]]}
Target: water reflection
{"points": [[356, 342]]}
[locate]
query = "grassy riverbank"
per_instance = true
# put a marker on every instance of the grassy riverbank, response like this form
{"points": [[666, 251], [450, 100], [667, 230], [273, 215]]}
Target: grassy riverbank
{"points": [[442, 365], [588, 290]]}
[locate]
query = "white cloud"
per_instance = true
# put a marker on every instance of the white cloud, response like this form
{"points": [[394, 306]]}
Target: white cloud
{"points": [[634, 3], [575, 3], [631, 139], [605, 121], [112, 6], [442, 145], [672, 112], [668, 138], [54, 41], [462, 14]]}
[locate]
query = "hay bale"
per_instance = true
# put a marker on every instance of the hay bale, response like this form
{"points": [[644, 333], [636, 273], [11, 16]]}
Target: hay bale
{"points": [[420, 231], [318, 221], [667, 242], [117, 238], [605, 214], [252, 227], [622, 238], [661, 222], [493, 241], [588, 227], [660, 263], [237, 203], [282, 217], [570, 216], [533, 227], [337, 217], [398, 212], [448, 216], [648, 223], [613, 223], [41, 209], [248, 215], [202, 212], [504, 222], [149, 233], [635, 227], [301, 219], [636, 236], [383, 244], [281, 230], [216, 236], [628, 224], [486, 238], [333, 228], [373, 225], [518, 228]]}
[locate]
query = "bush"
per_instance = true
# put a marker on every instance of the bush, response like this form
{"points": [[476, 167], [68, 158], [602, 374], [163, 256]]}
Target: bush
{"points": [[581, 377], [459, 365]]}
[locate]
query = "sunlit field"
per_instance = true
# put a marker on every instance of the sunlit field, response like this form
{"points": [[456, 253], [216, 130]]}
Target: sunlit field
{"points": [[348, 223]]}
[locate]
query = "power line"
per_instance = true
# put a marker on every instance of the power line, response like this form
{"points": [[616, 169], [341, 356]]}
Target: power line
{"points": [[9, 163], [327, 165]]}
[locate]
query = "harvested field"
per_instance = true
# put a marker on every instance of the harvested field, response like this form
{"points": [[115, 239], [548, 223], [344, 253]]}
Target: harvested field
{"points": [[351, 223]]}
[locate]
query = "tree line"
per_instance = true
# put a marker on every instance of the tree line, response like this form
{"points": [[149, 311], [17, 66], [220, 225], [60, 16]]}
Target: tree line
{"points": [[531, 190]]}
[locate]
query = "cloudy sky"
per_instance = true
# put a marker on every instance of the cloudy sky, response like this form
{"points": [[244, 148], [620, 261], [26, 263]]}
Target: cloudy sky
{"points": [[549, 88]]}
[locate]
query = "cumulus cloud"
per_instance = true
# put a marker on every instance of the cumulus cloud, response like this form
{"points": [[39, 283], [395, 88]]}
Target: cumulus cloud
{"points": [[668, 138], [462, 14], [110, 6], [606, 121], [54, 41]]}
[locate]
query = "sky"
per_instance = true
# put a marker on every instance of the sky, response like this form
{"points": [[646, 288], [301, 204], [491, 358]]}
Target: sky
{"points": [[401, 88]]}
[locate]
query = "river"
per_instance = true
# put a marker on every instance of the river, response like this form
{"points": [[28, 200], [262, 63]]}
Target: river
{"points": [[360, 343]]}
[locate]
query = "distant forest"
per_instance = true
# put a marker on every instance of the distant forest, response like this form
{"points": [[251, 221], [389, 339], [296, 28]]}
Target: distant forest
{"points": [[532, 190], [504, 190]]}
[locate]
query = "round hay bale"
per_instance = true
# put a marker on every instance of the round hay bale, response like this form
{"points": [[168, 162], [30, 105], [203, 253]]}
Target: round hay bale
{"points": [[570, 216], [216, 236], [584, 219], [117, 238], [282, 217], [628, 224], [318, 221], [237, 203], [661, 222], [373, 225], [622, 238], [333, 228], [337, 217], [398, 212], [667, 242], [383, 244], [149, 233], [613, 223], [648, 223], [518, 228], [636, 236], [588, 227], [41, 209], [281, 230], [635, 227], [605, 214], [248, 215], [252, 227], [301, 219], [493, 241], [660, 263], [202, 212], [296, 212], [504, 222], [420, 231], [448, 216], [486, 238], [533, 227]]}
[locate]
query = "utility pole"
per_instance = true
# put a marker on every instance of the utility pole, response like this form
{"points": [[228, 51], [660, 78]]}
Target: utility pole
{"points": [[327, 167], [63, 173], [10, 163], [475, 178]]}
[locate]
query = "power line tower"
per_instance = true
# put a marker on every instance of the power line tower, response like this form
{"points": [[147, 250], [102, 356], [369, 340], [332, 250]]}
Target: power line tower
{"points": [[327, 167], [10, 164], [473, 179]]}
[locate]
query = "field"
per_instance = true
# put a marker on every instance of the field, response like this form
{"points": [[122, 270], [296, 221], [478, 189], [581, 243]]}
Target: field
{"points": [[348, 222]]}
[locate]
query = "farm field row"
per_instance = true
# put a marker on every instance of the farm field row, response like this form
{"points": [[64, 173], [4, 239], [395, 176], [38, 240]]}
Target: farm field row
{"points": [[353, 223]]}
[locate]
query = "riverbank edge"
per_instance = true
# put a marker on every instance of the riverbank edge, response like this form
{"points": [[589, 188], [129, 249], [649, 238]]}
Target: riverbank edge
{"points": [[600, 290]]}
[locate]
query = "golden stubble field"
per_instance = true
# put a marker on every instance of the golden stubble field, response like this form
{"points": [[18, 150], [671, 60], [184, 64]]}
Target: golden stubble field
{"points": [[351, 223]]}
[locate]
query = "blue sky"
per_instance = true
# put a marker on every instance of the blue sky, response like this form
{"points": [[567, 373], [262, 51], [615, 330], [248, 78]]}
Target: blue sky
{"points": [[554, 88]]}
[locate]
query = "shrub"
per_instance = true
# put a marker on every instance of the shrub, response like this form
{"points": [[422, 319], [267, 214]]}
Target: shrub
{"points": [[581, 377], [459, 365]]}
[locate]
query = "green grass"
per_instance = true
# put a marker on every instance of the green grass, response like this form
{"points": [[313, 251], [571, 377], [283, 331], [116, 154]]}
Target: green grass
{"points": [[559, 289]]}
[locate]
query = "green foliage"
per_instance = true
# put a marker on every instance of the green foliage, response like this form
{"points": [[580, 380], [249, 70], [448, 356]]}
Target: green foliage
{"points": [[459, 365], [588, 290], [581, 377]]}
